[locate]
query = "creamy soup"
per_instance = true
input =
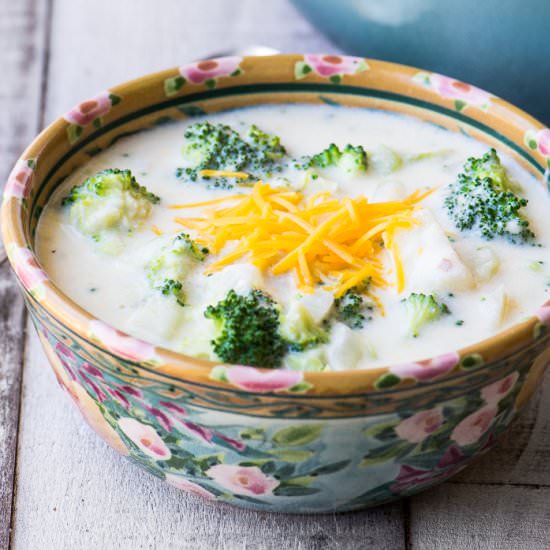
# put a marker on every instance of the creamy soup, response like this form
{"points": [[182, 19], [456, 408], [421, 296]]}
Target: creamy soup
{"points": [[422, 274]]}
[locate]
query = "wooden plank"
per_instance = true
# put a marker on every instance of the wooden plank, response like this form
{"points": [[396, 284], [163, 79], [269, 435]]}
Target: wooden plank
{"points": [[471, 517], [128, 38], [22, 36], [11, 349], [90, 497]]}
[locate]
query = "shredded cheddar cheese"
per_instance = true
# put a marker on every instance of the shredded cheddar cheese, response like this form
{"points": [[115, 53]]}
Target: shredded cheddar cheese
{"points": [[157, 231], [319, 238]]}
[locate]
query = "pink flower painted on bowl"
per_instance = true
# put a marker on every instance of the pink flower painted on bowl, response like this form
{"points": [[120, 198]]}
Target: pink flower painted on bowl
{"points": [[173, 407], [120, 343], [410, 477], [67, 358], [418, 427], [198, 431], [207, 72], [470, 429], [428, 369], [543, 142], [462, 93], [189, 486], [96, 386], [27, 268], [333, 67], [145, 438], [255, 380], [455, 89], [134, 392], [87, 111], [164, 420], [19, 180], [242, 480], [539, 140], [496, 391], [235, 443], [453, 456], [210, 69]]}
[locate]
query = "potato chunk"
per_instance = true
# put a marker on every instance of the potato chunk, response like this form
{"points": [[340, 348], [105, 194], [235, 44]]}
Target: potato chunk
{"points": [[430, 262]]}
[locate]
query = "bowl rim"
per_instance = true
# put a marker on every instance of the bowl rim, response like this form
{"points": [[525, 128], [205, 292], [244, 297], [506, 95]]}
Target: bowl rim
{"points": [[183, 367]]}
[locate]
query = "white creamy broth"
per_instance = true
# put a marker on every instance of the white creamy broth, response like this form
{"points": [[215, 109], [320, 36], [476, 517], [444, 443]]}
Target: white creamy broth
{"points": [[114, 287]]}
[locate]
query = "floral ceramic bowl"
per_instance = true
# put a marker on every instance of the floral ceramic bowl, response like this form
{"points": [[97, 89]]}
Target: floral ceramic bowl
{"points": [[277, 440]]}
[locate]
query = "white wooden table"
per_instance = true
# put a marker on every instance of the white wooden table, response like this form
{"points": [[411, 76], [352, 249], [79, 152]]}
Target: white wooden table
{"points": [[60, 487]]}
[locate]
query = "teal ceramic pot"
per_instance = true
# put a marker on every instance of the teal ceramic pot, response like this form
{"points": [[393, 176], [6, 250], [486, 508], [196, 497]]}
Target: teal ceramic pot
{"points": [[276, 440], [500, 45]]}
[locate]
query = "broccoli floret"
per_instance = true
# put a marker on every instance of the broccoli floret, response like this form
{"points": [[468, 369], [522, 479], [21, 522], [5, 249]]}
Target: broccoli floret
{"points": [[488, 166], [219, 147], [169, 287], [248, 330], [184, 243], [269, 145], [352, 309], [328, 157], [421, 310], [110, 200], [169, 269], [352, 159], [300, 330], [482, 199]]}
